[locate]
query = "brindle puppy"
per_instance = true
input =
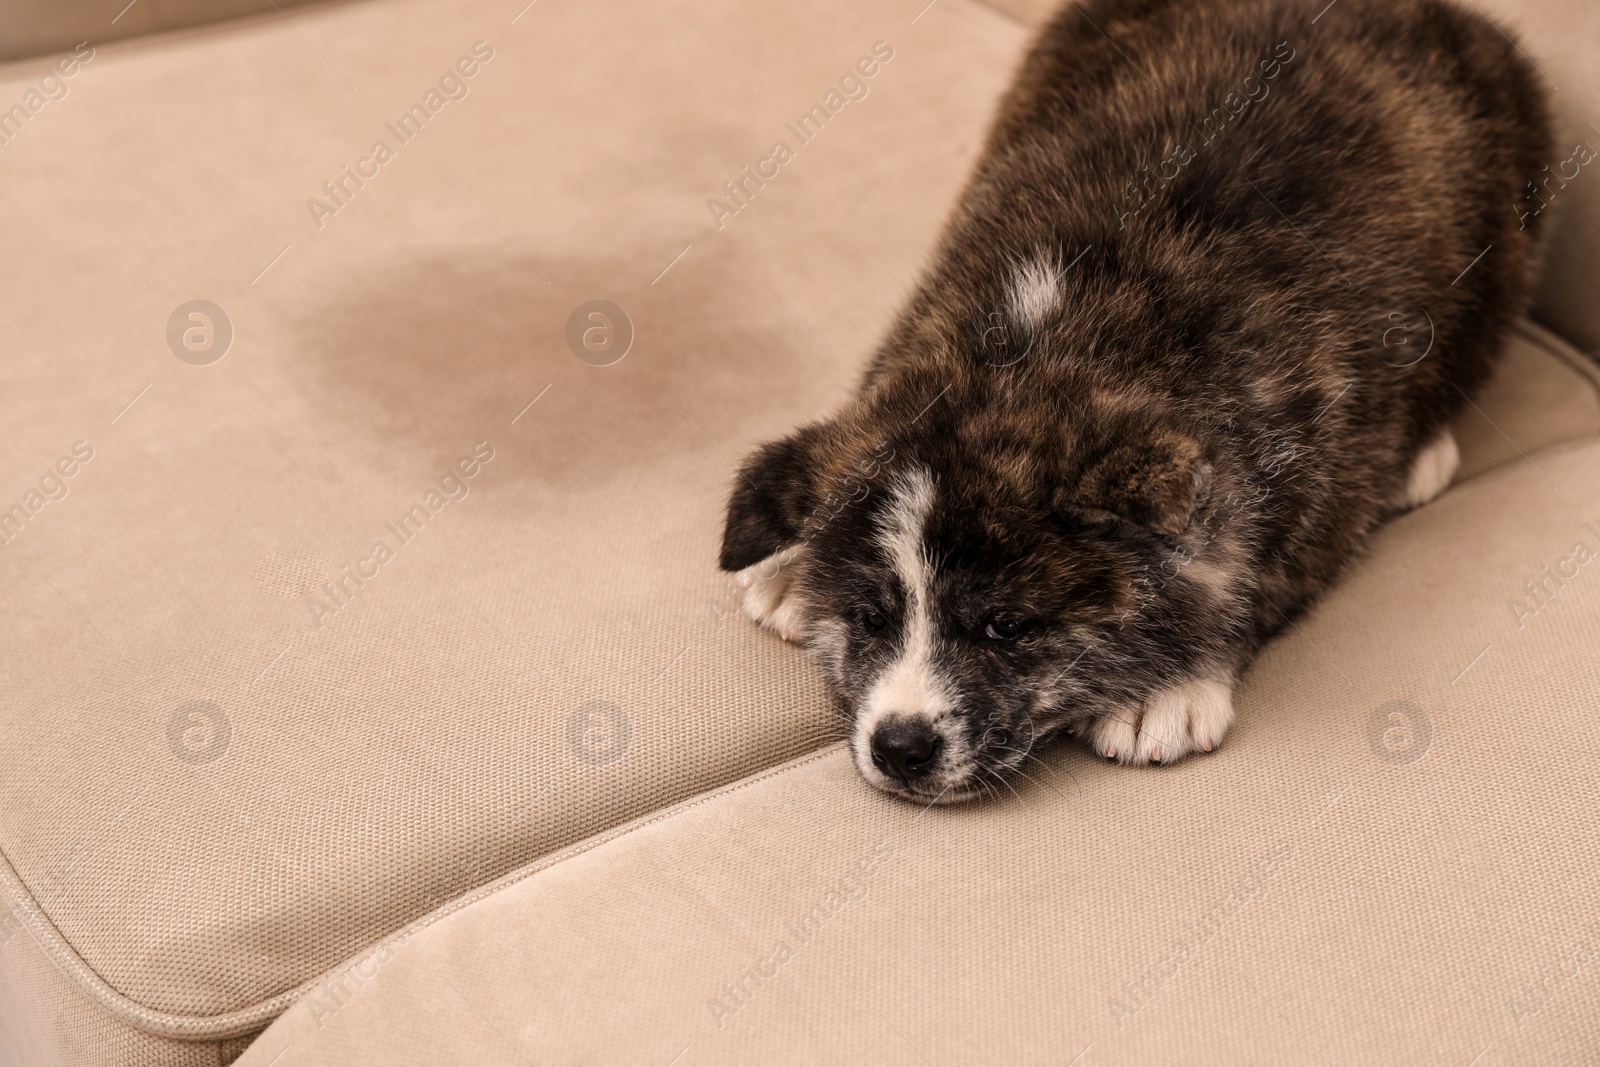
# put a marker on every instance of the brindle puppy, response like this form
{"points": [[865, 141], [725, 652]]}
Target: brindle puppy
{"points": [[1163, 379]]}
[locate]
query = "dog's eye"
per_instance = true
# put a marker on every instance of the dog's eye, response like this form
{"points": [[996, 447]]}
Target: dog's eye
{"points": [[1003, 628], [873, 621]]}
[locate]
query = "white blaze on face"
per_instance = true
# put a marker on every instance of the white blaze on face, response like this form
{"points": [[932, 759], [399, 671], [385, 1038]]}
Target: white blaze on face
{"points": [[908, 686], [1035, 291]]}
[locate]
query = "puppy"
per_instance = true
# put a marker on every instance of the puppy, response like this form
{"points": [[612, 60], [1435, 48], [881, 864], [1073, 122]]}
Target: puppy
{"points": [[1150, 399]]}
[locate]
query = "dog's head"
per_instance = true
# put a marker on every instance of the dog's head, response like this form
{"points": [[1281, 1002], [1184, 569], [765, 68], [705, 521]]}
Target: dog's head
{"points": [[974, 580]]}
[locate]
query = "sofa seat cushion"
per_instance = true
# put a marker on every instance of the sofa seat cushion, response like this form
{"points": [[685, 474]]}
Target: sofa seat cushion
{"points": [[241, 740], [1543, 394], [1391, 860], [401, 587]]}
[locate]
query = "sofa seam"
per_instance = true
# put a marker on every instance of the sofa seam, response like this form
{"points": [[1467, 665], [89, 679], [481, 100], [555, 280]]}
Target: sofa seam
{"points": [[1015, 20], [555, 859], [182, 34], [1569, 356], [215, 1028], [1534, 332], [69, 962], [65, 956], [1585, 363]]}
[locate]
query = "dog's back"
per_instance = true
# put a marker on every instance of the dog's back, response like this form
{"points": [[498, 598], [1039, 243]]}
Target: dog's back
{"points": [[1296, 234]]}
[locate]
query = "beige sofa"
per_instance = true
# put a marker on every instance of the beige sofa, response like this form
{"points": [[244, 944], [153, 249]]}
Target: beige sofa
{"points": [[521, 785]]}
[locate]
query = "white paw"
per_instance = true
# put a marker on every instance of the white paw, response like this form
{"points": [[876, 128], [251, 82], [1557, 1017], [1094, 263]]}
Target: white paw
{"points": [[1192, 716], [1432, 470], [768, 593]]}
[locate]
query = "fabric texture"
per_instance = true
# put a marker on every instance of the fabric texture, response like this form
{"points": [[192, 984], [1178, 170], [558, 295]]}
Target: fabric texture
{"points": [[35, 27], [244, 747], [231, 761], [47, 1018], [1388, 861]]}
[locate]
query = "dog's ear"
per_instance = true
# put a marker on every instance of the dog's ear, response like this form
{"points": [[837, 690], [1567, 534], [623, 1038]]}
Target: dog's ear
{"points": [[1157, 482], [774, 494]]}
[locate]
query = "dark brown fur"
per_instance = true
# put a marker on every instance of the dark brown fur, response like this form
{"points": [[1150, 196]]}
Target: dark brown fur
{"points": [[1217, 391]]}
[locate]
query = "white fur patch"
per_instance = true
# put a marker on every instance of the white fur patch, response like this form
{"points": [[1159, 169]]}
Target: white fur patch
{"points": [[1432, 470], [909, 686], [1187, 717], [1035, 291], [768, 593]]}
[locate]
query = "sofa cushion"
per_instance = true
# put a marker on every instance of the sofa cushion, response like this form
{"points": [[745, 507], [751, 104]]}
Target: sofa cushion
{"points": [[1543, 394], [230, 760], [242, 742], [37, 26], [1390, 861]]}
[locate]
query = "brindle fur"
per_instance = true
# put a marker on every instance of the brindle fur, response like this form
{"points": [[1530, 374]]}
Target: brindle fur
{"points": [[1208, 426]]}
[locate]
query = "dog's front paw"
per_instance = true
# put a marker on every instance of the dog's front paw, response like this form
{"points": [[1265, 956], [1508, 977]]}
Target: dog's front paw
{"points": [[1188, 717], [769, 593]]}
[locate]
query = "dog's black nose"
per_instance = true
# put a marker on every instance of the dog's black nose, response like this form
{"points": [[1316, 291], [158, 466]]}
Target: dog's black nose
{"points": [[904, 748]]}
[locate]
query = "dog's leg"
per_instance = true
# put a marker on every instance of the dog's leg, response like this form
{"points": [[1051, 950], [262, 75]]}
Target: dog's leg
{"points": [[1190, 716], [1431, 471], [768, 589]]}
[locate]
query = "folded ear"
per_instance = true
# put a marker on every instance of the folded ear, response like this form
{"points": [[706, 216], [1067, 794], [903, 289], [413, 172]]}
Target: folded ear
{"points": [[1157, 483], [775, 493]]}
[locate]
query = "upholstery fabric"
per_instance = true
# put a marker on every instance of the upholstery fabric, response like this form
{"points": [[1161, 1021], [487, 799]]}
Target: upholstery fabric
{"points": [[47, 1018], [221, 775], [241, 745], [1333, 885], [34, 27]]}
